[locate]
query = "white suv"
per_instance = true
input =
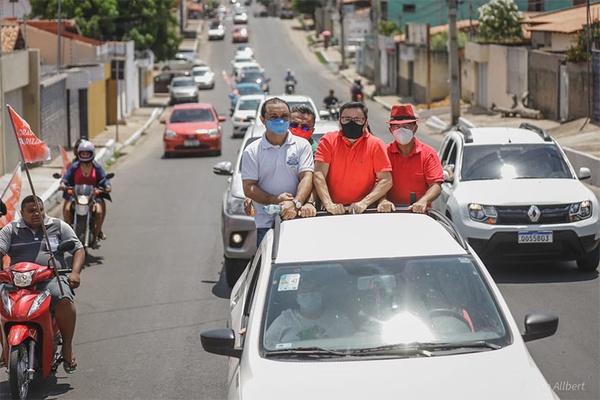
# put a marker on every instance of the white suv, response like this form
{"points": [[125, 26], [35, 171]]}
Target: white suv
{"points": [[513, 193]]}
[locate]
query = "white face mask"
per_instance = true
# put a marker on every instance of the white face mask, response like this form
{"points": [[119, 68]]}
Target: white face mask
{"points": [[403, 135]]}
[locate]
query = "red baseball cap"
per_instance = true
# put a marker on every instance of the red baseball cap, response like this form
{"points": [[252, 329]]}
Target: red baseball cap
{"points": [[402, 114]]}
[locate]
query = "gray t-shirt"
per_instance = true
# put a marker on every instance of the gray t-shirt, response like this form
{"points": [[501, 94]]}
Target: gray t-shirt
{"points": [[277, 169], [23, 244]]}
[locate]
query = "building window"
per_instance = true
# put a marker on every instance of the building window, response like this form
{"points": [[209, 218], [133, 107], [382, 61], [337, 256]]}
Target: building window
{"points": [[409, 8]]}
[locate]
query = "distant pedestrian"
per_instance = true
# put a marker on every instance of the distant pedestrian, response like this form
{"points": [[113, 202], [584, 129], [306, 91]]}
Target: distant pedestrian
{"points": [[326, 37]]}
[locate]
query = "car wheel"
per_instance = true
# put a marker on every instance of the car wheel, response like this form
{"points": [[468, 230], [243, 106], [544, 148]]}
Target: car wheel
{"points": [[233, 269], [590, 261], [167, 155]]}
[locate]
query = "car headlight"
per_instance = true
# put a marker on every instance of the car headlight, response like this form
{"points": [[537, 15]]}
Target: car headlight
{"points": [[580, 211], [6, 302], [22, 279], [213, 132], [235, 205], [170, 134], [38, 302], [483, 213]]}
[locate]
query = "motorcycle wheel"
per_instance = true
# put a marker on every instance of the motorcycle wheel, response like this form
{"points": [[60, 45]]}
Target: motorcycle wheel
{"points": [[19, 360], [80, 231]]}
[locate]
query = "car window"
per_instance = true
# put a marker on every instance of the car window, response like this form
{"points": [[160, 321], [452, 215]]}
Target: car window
{"points": [[183, 82], [249, 104], [243, 90], [366, 304], [449, 154], [513, 161], [199, 72], [192, 115]]}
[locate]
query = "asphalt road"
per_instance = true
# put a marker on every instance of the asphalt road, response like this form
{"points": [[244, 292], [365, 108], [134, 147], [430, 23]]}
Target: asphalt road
{"points": [[156, 283]]}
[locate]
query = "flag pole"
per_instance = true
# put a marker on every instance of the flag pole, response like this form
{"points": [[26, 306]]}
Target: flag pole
{"points": [[37, 205]]}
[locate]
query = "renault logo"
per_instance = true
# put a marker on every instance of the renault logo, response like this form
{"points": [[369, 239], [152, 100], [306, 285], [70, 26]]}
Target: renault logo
{"points": [[534, 214]]}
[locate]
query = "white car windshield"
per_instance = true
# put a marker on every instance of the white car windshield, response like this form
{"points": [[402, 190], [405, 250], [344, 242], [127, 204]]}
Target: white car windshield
{"points": [[513, 161], [382, 306]]}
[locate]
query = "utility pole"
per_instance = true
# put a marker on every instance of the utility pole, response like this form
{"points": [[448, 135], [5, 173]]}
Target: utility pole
{"points": [[58, 56], [343, 65], [376, 44], [453, 48]]}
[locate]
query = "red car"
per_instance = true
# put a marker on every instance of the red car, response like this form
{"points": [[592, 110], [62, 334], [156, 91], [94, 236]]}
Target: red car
{"points": [[193, 128], [240, 34]]}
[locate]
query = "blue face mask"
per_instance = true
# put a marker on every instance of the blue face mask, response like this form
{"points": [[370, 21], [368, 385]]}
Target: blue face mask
{"points": [[310, 302], [278, 126]]}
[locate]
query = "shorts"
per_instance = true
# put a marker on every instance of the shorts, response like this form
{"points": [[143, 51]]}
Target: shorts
{"points": [[52, 287]]}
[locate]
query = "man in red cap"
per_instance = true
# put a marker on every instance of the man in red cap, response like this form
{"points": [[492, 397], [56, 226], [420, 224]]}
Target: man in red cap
{"points": [[416, 166]]}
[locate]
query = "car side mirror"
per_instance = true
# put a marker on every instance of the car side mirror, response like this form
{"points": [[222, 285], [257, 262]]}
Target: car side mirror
{"points": [[448, 177], [223, 168], [584, 173], [220, 341], [222, 118], [539, 325], [163, 121]]}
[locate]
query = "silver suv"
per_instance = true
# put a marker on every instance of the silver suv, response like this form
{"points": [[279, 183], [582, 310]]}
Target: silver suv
{"points": [[513, 193]]}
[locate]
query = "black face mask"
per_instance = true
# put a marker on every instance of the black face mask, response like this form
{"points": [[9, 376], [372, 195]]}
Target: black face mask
{"points": [[352, 130]]}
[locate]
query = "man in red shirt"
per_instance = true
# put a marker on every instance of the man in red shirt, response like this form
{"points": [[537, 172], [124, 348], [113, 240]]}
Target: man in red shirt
{"points": [[352, 169], [416, 166]]}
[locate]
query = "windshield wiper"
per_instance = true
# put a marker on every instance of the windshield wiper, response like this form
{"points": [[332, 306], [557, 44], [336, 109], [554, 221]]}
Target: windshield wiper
{"points": [[395, 349], [478, 344], [306, 352]]}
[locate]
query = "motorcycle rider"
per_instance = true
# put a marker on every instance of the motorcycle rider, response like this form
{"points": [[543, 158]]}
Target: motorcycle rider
{"points": [[289, 78], [356, 89], [85, 171], [24, 241], [330, 103]]}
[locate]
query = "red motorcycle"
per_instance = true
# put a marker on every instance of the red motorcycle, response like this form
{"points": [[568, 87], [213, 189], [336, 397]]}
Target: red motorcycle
{"points": [[30, 337]]}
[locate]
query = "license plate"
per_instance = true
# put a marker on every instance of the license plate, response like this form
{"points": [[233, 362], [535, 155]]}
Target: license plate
{"points": [[535, 237], [191, 143]]}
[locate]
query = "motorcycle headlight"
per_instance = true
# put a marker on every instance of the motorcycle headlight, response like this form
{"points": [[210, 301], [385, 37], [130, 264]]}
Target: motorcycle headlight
{"points": [[483, 213], [170, 134], [235, 205], [22, 279], [6, 302], [580, 211], [38, 302], [83, 200]]}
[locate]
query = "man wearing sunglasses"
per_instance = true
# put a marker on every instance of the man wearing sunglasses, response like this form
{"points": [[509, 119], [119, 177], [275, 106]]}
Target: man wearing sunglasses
{"points": [[352, 168], [277, 169], [302, 124]]}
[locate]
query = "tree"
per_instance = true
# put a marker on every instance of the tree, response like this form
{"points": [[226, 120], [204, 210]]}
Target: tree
{"points": [[578, 52], [151, 24], [499, 22], [389, 28]]}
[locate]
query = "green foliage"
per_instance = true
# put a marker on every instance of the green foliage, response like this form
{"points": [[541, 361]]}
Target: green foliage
{"points": [[578, 52], [499, 22], [305, 6], [389, 28], [151, 24], [439, 41]]}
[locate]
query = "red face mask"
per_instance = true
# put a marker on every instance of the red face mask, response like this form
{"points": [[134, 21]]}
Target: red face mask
{"points": [[298, 131]]}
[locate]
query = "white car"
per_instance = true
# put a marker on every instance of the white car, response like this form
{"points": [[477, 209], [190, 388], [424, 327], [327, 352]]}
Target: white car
{"points": [[354, 307], [293, 100], [237, 228], [216, 31], [513, 194], [244, 113], [240, 16], [183, 89], [244, 49], [204, 77]]}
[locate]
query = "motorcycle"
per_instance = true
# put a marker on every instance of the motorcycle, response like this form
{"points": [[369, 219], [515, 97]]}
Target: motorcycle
{"points": [[82, 210], [356, 93], [333, 110], [31, 339], [290, 87]]}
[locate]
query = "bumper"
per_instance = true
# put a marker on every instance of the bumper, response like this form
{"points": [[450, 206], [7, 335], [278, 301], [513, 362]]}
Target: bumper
{"points": [[184, 99], [177, 145], [239, 128], [566, 246], [205, 85], [242, 228]]}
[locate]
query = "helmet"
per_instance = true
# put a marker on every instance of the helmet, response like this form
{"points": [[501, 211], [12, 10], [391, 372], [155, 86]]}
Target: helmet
{"points": [[357, 79], [86, 145], [77, 145], [289, 71]]}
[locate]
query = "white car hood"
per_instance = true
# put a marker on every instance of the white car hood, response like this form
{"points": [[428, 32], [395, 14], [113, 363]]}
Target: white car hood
{"points": [[522, 192], [245, 113], [500, 374]]}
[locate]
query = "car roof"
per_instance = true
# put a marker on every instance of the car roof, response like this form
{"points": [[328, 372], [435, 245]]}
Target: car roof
{"points": [[183, 78], [202, 68], [363, 236], [187, 106], [504, 135]]}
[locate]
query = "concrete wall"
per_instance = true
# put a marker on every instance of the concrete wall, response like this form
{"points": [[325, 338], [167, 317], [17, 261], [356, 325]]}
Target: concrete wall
{"points": [[97, 107], [543, 81], [580, 86], [73, 51], [440, 75], [53, 105]]}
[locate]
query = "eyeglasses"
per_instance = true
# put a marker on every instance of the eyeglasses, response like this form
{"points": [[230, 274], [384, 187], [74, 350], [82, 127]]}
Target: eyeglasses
{"points": [[358, 120], [304, 127]]}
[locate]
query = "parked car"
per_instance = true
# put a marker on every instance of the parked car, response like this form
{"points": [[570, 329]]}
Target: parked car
{"points": [[182, 64], [186, 54], [514, 195], [163, 79], [204, 77], [193, 128], [239, 34], [237, 228], [242, 89], [183, 89], [286, 12], [257, 77], [216, 30], [244, 113], [409, 313]]}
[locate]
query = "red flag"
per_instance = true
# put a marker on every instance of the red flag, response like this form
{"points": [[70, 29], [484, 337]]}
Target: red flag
{"points": [[32, 148], [11, 196], [65, 159]]}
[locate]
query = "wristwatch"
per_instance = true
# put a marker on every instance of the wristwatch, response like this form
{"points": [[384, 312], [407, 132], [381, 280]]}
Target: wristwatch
{"points": [[297, 204]]}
